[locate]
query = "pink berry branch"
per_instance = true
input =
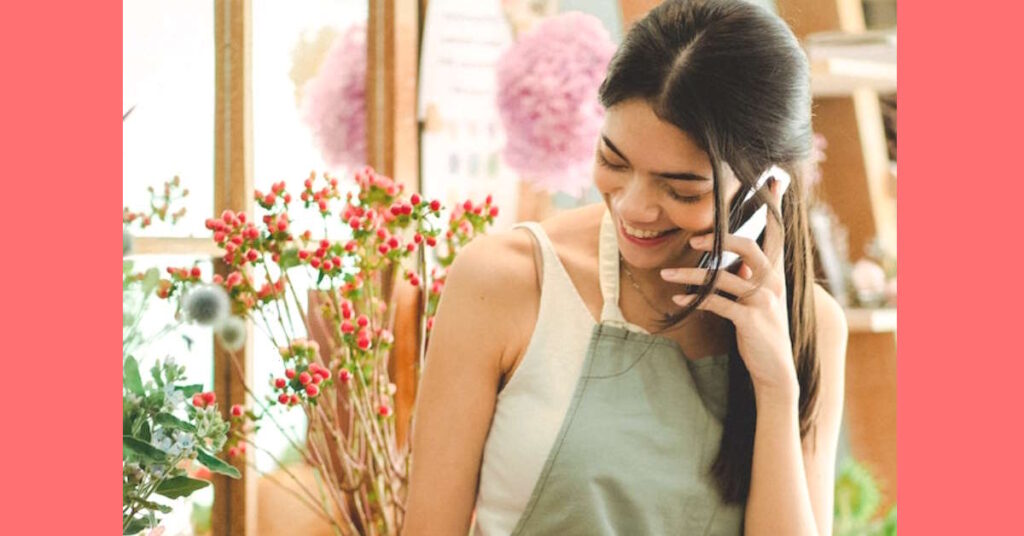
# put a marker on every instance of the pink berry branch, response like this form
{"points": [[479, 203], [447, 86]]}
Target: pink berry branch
{"points": [[341, 382]]}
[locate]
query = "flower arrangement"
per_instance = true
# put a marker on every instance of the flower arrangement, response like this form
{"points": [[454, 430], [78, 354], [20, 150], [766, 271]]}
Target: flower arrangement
{"points": [[547, 99], [341, 381], [164, 438], [334, 101]]}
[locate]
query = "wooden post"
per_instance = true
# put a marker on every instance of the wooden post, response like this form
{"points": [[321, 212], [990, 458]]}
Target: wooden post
{"points": [[234, 501], [392, 130]]}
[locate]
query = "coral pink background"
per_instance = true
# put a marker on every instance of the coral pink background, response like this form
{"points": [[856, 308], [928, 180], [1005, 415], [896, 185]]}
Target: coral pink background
{"points": [[960, 351]]}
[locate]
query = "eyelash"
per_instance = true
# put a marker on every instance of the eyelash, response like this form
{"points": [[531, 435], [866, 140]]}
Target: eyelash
{"points": [[688, 199]]}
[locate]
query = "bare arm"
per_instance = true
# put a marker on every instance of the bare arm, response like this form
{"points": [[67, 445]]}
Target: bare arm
{"points": [[459, 385], [792, 483]]}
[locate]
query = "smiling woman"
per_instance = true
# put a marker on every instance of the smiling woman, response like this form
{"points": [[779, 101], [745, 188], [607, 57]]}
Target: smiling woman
{"points": [[580, 405]]}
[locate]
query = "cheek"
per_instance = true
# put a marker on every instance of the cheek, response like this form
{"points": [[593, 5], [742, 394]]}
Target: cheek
{"points": [[696, 218], [607, 181]]}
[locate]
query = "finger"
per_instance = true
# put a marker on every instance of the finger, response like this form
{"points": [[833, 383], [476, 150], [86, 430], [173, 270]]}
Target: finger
{"points": [[728, 282], [745, 271], [716, 304], [750, 252]]}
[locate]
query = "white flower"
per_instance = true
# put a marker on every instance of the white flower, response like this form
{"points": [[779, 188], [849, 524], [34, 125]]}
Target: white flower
{"points": [[207, 305], [232, 333], [868, 277], [173, 398]]}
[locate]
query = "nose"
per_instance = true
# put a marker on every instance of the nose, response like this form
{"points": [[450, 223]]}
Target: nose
{"points": [[638, 202]]}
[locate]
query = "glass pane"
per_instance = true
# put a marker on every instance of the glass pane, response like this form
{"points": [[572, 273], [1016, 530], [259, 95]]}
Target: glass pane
{"points": [[291, 44], [168, 84]]}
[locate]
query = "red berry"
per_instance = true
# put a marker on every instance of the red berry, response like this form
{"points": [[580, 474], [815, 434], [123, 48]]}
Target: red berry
{"points": [[430, 323], [294, 400], [384, 410], [312, 390], [415, 199], [289, 373], [362, 321], [232, 452], [280, 383], [489, 199], [415, 281], [353, 222], [252, 255], [210, 398], [322, 205], [347, 327], [317, 378], [478, 210], [283, 398], [435, 205], [417, 238], [219, 236], [393, 243], [305, 378], [303, 254], [383, 249], [431, 241], [326, 373], [314, 262], [382, 233], [363, 344], [467, 206], [270, 198], [493, 212], [196, 272], [236, 410], [410, 248], [197, 401], [344, 375], [351, 246]]}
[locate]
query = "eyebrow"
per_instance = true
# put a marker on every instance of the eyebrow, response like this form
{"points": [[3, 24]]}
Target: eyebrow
{"points": [[685, 176]]}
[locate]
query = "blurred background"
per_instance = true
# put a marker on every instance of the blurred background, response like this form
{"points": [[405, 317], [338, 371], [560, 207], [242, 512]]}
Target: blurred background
{"points": [[232, 96]]}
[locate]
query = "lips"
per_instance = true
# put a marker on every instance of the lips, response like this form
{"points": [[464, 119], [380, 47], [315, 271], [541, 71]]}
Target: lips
{"points": [[646, 241]]}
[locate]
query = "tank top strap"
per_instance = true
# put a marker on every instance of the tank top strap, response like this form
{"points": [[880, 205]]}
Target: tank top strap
{"points": [[555, 281], [608, 271]]}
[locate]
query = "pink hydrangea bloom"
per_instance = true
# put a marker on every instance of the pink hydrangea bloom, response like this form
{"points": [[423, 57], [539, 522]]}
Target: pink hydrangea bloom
{"points": [[547, 98], [334, 101]]}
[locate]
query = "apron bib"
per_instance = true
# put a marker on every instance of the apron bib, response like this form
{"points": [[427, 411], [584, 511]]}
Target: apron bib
{"points": [[636, 445]]}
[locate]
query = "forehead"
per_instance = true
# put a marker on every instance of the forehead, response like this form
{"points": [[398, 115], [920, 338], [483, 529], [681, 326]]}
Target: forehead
{"points": [[650, 143]]}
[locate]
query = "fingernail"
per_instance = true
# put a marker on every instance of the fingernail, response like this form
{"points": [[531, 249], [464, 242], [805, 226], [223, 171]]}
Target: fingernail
{"points": [[700, 240]]}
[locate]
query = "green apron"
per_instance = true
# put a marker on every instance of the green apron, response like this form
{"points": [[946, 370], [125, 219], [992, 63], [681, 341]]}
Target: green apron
{"points": [[636, 445]]}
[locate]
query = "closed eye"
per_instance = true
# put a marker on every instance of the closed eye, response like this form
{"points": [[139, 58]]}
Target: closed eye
{"points": [[605, 163]]}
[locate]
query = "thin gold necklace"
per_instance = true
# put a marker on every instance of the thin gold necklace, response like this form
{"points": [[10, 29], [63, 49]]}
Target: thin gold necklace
{"points": [[665, 316]]}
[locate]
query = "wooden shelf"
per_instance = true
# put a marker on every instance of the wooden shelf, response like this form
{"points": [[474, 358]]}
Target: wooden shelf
{"points": [[862, 320], [842, 63]]}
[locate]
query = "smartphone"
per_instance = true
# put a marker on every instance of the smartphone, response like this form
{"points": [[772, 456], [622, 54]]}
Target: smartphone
{"points": [[751, 219]]}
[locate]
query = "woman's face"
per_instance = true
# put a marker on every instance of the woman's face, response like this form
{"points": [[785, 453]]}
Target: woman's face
{"points": [[654, 178]]}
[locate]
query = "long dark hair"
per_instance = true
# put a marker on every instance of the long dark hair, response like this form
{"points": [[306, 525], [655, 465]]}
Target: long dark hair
{"points": [[733, 76]]}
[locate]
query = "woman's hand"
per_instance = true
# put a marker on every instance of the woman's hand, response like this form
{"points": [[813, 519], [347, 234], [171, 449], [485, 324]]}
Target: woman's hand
{"points": [[759, 312]]}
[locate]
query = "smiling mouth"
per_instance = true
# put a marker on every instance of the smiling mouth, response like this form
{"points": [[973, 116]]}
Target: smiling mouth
{"points": [[641, 234]]}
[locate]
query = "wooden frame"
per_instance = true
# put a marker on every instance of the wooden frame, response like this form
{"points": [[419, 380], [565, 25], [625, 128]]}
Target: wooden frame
{"points": [[234, 501]]}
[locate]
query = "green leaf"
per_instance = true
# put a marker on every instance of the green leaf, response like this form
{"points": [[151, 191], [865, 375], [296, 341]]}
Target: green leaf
{"points": [[126, 267], [150, 280], [144, 450], [136, 525], [132, 379], [180, 486], [289, 258], [190, 390], [216, 464], [171, 421]]}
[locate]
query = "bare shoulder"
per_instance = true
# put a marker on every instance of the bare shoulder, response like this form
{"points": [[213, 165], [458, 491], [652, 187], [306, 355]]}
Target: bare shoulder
{"points": [[491, 289], [830, 319]]}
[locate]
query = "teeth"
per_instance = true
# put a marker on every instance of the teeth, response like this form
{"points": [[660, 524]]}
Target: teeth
{"points": [[642, 234]]}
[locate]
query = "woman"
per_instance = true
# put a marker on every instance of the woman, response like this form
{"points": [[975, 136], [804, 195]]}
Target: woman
{"points": [[557, 401]]}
